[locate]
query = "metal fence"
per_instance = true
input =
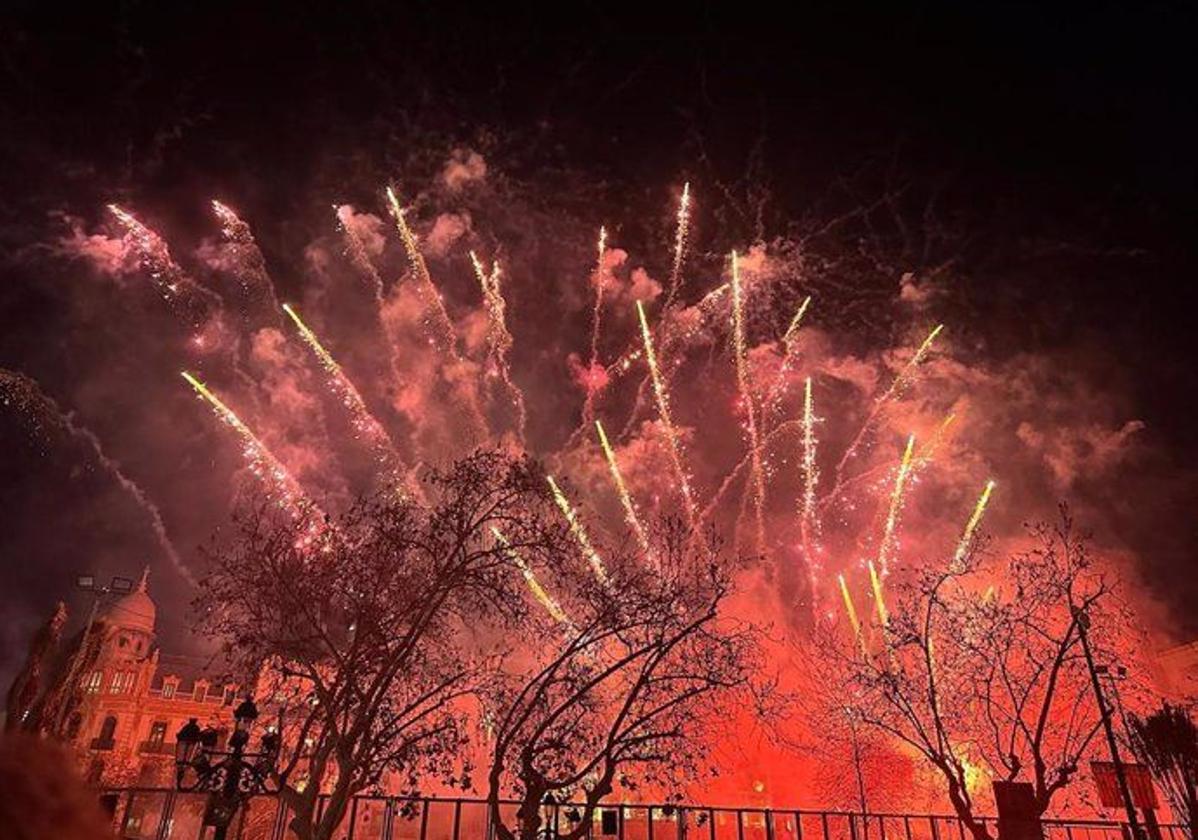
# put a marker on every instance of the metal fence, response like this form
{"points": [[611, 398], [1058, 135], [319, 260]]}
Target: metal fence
{"points": [[161, 814]]}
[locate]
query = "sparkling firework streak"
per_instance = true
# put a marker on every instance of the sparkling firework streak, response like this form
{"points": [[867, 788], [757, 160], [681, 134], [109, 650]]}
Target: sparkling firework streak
{"points": [[680, 235], [663, 409], [255, 281], [588, 408], [630, 514], [875, 583], [433, 300], [790, 346], [757, 474], [534, 586], [851, 611], [808, 521], [896, 388], [578, 531], [365, 425], [190, 300], [261, 460], [897, 496], [23, 393], [356, 251], [974, 519], [499, 338]]}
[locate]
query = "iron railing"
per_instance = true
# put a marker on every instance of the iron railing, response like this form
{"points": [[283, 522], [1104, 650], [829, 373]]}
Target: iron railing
{"points": [[164, 814]]}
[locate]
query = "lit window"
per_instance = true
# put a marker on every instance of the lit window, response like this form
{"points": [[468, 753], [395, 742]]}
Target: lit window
{"points": [[157, 733], [168, 689], [93, 681], [122, 682]]}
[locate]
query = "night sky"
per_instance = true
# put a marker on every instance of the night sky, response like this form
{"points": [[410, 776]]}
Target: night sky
{"points": [[1053, 146]]}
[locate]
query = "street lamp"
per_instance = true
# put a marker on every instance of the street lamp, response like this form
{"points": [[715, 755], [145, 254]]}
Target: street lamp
{"points": [[230, 777]]}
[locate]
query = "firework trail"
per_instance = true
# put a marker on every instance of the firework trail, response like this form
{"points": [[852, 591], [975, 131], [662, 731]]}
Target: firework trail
{"points": [[23, 393], [808, 521], [356, 251], [851, 611], [663, 410], [630, 515], [757, 475], [790, 345], [578, 531], [896, 388], [365, 425], [971, 526], [875, 583], [588, 408], [186, 297], [682, 230], [499, 338], [530, 578], [434, 303], [256, 285], [262, 462], [896, 508], [442, 332]]}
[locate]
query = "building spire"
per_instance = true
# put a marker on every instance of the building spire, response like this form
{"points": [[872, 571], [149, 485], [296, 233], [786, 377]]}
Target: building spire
{"points": [[145, 579]]}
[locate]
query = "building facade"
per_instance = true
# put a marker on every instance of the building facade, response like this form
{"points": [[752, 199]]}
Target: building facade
{"points": [[119, 700]]}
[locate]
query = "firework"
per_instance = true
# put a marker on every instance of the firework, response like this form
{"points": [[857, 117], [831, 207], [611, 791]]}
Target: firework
{"points": [[262, 462], [630, 515], [578, 531], [681, 231], [789, 353], [897, 496], [875, 583], [499, 338], [23, 393], [851, 611], [757, 474], [365, 425], [188, 299], [588, 409], [900, 383], [663, 410], [256, 285], [447, 339], [355, 249], [974, 519], [530, 578]]}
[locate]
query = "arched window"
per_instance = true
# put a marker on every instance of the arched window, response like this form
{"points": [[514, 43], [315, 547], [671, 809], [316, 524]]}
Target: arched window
{"points": [[105, 740], [73, 724]]}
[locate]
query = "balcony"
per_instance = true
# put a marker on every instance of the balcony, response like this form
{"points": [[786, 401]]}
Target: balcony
{"points": [[156, 748]]}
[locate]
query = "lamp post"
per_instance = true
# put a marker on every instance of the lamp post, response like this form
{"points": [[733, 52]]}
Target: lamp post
{"points": [[231, 776]]}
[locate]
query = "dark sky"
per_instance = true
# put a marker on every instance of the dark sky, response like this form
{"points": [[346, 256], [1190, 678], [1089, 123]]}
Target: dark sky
{"points": [[1044, 123]]}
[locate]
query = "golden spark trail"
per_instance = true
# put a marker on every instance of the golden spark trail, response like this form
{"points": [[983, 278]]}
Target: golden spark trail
{"points": [[852, 612], [900, 382], [365, 424], [262, 461], [499, 338], [578, 531], [630, 514], [896, 508], [808, 522], [588, 409], [256, 285], [534, 586], [356, 251], [879, 598], [778, 389], [975, 518], [663, 409], [680, 235], [757, 476], [428, 289]]}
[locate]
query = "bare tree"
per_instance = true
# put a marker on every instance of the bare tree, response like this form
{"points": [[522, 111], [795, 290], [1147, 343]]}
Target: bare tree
{"points": [[1167, 742], [981, 665], [621, 690], [355, 631]]}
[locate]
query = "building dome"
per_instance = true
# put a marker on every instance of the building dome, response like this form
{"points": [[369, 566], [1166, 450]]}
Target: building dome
{"points": [[135, 611]]}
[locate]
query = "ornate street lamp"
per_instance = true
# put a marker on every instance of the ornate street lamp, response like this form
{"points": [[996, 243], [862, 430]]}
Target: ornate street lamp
{"points": [[231, 776]]}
